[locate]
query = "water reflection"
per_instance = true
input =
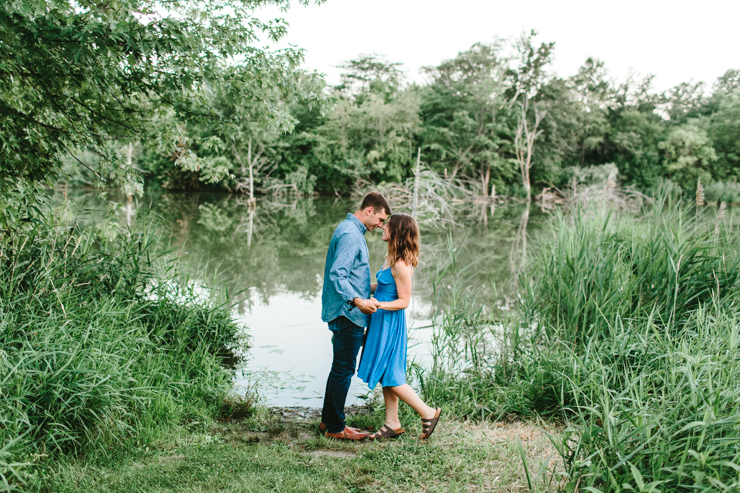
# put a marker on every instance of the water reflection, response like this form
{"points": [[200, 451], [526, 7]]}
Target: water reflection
{"points": [[278, 249], [518, 254]]}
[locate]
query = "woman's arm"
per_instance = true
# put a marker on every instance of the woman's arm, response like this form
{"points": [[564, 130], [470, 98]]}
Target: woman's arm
{"points": [[402, 274], [373, 286]]}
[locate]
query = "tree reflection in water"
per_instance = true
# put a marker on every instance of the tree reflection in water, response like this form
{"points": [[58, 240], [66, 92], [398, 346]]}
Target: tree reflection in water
{"points": [[277, 248]]}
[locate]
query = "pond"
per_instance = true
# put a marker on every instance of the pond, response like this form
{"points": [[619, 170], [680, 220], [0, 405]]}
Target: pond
{"points": [[272, 256]]}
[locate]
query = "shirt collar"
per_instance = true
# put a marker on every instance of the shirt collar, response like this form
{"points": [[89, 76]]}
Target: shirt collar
{"points": [[358, 223]]}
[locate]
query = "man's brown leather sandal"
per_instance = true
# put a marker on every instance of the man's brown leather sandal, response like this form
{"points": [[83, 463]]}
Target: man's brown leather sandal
{"points": [[386, 432], [323, 428], [347, 434], [428, 425]]}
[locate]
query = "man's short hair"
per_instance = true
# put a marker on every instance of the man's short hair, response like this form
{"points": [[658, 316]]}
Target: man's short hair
{"points": [[376, 201]]}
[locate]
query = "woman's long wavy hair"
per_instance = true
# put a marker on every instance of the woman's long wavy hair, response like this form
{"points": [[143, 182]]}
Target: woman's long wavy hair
{"points": [[404, 241]]}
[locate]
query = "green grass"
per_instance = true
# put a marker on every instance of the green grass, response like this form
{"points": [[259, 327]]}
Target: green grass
{"points": [[623, 331], [627, 330], [262, 454], [99, 342], [723, 191]]}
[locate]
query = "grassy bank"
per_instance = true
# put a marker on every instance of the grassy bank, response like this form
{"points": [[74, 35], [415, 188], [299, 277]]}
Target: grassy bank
{"points": [[101, 343], [268, 452], [626, 329], [622, 331]]}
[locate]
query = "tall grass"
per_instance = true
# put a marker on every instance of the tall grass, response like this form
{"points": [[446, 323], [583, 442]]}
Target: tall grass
{"points": [[723, 191], [600, 267], [99, 341], [627, 330]]}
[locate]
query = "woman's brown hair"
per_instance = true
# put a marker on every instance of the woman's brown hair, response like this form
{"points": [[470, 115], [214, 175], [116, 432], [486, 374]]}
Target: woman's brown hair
{"points": [[404, 240]]}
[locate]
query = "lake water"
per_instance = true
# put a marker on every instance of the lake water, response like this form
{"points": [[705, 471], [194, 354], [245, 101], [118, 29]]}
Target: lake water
{"points": [[273, 256]]}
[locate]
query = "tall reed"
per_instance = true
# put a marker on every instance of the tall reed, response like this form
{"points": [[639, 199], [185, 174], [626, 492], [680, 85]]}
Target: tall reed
{"points": [[627, 330], [99, 340]]}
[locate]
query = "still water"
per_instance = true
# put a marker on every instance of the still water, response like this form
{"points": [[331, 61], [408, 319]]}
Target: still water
{"points": [[272, 258]]}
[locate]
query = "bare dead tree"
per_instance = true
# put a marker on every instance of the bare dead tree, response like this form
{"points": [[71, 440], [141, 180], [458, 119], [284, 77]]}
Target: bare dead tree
{"points": [[524, 143], [129, 198], [415, 206], [518, 254], [255, 163]]}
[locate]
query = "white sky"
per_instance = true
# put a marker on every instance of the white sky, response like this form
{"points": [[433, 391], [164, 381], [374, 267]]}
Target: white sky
{"points": [[675, 40]]}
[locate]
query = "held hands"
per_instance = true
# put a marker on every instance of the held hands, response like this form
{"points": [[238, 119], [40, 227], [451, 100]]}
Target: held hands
{"points": [[367, 306]]}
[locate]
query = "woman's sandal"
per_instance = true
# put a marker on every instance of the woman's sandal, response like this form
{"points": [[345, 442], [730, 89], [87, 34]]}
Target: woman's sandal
{"points": [[386, 432], [428, 425]]}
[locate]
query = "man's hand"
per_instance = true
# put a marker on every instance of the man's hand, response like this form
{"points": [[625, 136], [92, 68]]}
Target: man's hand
{"points": [[366, 306]]}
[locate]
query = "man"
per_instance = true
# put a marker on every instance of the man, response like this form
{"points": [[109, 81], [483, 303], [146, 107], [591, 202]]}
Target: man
{"points": [[346, 306]]}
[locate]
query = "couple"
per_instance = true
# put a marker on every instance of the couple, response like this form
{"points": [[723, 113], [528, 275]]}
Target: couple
{"points": [[347, 307]]}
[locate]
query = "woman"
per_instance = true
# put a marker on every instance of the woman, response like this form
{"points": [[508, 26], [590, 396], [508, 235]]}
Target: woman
{"points": [[384, 356]]}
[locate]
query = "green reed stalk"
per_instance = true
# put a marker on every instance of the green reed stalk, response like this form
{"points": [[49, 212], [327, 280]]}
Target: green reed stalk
{"points": [[627, 331], [98, 342]]}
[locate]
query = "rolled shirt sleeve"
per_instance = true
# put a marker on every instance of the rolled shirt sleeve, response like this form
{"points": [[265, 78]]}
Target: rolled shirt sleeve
{"points": [[347, 249]]}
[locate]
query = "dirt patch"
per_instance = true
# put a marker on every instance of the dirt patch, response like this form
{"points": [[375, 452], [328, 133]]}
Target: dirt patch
{"points": [[171, 458], [298, 414], [338, 454]]}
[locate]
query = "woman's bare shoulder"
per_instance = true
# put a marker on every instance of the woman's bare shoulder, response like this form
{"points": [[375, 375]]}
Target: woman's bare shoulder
{"points": [[401, 268]]}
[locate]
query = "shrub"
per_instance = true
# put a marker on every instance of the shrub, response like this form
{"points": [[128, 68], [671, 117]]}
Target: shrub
{"points": [[100, 340]]}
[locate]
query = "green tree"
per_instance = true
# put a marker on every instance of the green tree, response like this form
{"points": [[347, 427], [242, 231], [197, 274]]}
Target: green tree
{"points": [[577, 122], [723, 128], [635, 132], [369, 132], [686, 101], [80, 74], [370, 74], [469, 116], [688, 155]]}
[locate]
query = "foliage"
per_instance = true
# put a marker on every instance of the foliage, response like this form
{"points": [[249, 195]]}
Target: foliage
{"points": [[101, 341], [627, 331], [723, 191], [723, 127], [78, 75], [467, 111], [465, 119], [688, 155]]}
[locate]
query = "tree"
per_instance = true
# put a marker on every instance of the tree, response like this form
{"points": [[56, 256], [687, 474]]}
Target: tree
{"points": [[529, 78], [526, 134], [728, 82], [468, 115], [723, 128], [688, 155], [369, 132], [370, 74], [685, 101], [635, 131], [80, 74]]}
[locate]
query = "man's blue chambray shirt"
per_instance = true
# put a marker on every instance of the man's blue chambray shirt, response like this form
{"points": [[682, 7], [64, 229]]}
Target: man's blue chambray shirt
{"points": [[347, 273]]}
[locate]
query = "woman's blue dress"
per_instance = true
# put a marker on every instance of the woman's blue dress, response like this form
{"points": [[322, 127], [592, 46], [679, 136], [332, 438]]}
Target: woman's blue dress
{"points": [[384, 356]]}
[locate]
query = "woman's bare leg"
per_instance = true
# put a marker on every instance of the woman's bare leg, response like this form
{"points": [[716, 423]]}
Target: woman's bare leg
{"points": [[407, 395], [391, 409]]}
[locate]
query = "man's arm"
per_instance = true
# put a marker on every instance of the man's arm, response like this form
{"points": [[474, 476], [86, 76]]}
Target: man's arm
{"points": [[346, 250]]}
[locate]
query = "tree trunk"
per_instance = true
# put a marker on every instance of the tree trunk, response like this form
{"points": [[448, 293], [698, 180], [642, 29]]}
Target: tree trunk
{"points": [[524, 144], [251, 172], [486, 180], [129, 198], [416, 184]]}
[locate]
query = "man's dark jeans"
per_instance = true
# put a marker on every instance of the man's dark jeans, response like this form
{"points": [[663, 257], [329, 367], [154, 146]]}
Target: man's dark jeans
{"points": [[347, 341]]}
